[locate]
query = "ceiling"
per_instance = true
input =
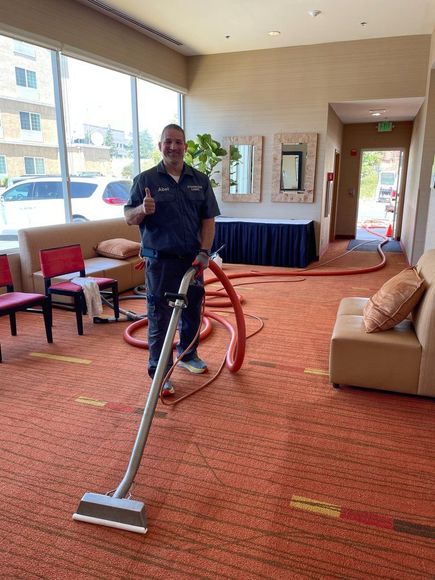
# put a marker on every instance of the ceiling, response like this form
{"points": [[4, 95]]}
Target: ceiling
{"points": [[198, 27]]}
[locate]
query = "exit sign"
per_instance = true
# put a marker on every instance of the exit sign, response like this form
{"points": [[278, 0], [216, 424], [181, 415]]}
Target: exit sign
{"points": [[384, 126]]}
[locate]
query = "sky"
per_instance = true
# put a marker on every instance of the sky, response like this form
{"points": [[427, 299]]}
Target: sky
{"points": [[100, 96]]}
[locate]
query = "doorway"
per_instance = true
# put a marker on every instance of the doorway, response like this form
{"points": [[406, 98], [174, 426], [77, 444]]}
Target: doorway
{"points": [[379, 189]]}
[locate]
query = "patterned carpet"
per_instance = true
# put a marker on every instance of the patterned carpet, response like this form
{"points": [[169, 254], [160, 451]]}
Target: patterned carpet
{"points": [[267, 473]]}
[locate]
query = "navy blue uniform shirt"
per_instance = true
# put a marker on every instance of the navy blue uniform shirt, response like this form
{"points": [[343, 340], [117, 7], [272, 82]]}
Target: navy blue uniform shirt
{"points": [[180, 208]]}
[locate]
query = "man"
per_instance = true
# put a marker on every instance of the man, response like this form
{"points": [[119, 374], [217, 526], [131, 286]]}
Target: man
{"points": [[174, 206]]}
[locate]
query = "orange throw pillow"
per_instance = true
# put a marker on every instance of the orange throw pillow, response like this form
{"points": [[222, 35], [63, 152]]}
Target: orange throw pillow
{"points": [[394, 301], [118, 248]]}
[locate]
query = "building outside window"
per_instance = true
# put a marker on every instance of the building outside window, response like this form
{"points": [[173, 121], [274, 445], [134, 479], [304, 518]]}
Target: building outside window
{"points": [[99, 140]]}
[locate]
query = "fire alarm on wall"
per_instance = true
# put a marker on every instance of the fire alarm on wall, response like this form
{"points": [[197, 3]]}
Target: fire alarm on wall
{"points": [[353, 152]]}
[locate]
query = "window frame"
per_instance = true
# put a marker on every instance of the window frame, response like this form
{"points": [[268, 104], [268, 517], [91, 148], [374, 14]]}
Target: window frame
{"points": [[28, 78], [35, 161], [5, 165], [32, 117]]}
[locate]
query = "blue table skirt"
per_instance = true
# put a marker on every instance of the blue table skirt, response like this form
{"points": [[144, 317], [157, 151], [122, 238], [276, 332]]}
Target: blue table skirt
{"points": [[267, 244]]}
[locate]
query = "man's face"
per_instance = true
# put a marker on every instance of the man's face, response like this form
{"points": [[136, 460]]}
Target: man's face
{"points": [[172, 147]]}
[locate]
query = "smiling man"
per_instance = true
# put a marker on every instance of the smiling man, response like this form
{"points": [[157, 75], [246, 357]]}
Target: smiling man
{"points": [[175, 207]]}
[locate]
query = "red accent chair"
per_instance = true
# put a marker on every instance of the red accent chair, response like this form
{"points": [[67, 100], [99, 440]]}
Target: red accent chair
{"points": [[12, 302], [68, 260]]}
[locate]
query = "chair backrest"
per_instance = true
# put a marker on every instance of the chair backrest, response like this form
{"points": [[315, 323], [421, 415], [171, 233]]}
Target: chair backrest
{"points": [[61, 260], [5, 272]]}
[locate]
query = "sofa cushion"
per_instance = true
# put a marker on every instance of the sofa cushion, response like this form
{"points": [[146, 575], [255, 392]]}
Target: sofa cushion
{"points": [[118, 248], [393, 301]]}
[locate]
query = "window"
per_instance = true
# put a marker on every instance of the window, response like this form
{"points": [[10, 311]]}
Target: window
{"points": [[164, 110], [34, 166], [25, 78], [19, 192], [48, 190], [24, 49], [30, 121], [117, 190], [82, 189], [99, 136]]}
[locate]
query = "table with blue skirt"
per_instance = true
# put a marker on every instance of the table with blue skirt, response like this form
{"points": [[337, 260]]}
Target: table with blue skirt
{"points": [[267, 242]]}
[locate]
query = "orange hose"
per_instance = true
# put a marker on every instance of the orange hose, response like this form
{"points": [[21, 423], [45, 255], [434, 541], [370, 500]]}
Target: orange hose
{"points": [[236, 350]]}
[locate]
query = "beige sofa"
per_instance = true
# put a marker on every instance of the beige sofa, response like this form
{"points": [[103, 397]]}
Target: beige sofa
{"points": [[401, 359], [88, 235]]}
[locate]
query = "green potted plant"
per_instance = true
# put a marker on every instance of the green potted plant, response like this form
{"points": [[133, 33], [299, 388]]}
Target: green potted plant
{"points": [[204, 153]]}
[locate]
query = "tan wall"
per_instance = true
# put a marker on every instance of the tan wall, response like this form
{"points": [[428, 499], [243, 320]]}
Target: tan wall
{"points": [[289, 90], [334, 135], [10, 112], [79, 30], [412, 183], [15, 157], [40, 65], [418, 228], [359, 137], [427, 174]]}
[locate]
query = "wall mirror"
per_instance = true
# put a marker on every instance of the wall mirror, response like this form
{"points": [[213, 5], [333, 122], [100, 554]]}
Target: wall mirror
{"points": [[294, 163], [241, 168]]}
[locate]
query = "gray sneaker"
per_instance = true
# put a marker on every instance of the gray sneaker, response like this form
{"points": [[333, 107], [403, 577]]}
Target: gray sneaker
{"points": [[194, 365], [168, 389]]}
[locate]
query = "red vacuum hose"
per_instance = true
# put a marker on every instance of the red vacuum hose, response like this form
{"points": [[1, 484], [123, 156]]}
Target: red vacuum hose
{"points": [[236, 350]]}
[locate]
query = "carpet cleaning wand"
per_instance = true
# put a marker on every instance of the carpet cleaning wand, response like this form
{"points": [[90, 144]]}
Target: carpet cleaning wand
{"points": [[115, 510]]}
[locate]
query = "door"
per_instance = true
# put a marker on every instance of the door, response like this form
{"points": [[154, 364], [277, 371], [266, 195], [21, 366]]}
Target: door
{"points": [[379, 192]]}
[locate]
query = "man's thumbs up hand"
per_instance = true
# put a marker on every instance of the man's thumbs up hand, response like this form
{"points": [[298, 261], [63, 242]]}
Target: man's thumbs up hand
{"points": [[149, 205]]}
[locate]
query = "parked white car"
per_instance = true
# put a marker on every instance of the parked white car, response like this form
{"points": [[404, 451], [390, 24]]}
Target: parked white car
{"points": [[39, 201]]}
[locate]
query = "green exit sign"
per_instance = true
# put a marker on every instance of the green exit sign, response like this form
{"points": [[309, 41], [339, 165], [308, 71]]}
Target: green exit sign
{"points": [[384, 126]]}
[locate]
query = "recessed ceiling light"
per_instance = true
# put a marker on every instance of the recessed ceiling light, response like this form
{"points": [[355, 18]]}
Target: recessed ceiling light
{"points": [[314, 13], [377, 112], [363, 24], [274, 33]]}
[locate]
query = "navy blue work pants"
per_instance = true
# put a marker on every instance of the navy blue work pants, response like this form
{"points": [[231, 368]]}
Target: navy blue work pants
{"points": [[165, 275]]}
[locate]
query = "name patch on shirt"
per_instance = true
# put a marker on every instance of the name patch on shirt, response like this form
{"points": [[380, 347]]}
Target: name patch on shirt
{"points": [[163, 189], [195, 187]]}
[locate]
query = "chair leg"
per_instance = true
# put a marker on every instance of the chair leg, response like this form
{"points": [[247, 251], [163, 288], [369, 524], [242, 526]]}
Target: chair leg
{"points": [[78, 307], [49, 310], [13, 323], [46, 311], [115, 298]]}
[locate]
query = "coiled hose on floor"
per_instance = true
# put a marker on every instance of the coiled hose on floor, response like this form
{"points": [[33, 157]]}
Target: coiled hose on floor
{"points": [[237, 346]]}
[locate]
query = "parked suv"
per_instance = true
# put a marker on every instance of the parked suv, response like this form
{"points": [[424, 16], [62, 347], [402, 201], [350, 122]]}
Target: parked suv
{"points": [[39, 201]]}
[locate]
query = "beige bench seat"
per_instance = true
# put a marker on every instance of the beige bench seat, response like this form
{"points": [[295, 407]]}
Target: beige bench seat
{"points": [[88, 235], [401, 359]]}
